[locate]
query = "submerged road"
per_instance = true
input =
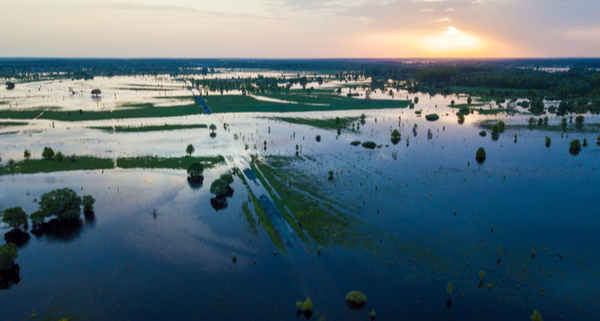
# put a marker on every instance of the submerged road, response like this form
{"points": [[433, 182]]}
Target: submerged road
{"points": [[200, 100]]}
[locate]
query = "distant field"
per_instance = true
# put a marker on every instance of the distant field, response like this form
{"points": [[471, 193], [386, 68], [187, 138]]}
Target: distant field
{"points": [[145, 111], [168, 162], [139, 129], [299, 101]]}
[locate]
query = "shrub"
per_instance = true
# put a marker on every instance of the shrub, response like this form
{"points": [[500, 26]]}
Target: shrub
{"points": [[220, 186], [8, 254], [461, 118], [15, 217], [531, 121], [579, 120], [548, 141], [190, 149], [60, 156], [464, 110], [48, 153], [575, 147], [330, 174], [369, 145], [96, 92], [88, 203], [26, 154], [355, 143], [432, 117], [195, 170], [536, 316], [449, 288], [356, 300], [318, 138], [62, 203], [483, 133], [306, 305], [480, 155]]}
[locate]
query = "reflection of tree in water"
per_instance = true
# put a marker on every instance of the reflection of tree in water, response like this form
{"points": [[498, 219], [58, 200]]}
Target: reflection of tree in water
{"points": [[307, 314], [62, 230], [195, 184], [220, 202], [18, 237], [9, 277]]}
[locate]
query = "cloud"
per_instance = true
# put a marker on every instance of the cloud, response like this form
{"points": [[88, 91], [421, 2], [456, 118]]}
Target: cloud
{"points": [[445, 19], [426, 10]]}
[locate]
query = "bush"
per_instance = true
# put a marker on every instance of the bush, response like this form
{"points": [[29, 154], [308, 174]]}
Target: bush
{"points": [[8, 254], [96, 92], [62, 203], [356, 300], [220, 186], [432, 117], [318, 138], [464, 110], [480, 155], [88, 203], [26, 154], [575, 147], [579, 120], [306, 305], [48, 153], [548, 141], [190, 149], [15, 217], [355, 143], [60, 156], [195, 170], [461, 118], [483, 133], [369, 145], [536, 316]]}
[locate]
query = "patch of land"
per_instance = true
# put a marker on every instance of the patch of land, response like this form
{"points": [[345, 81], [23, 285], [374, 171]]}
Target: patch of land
{"points": [[168, 162], [33, 166], [153, 128], [12, 124], [328, 123], [571, 128]]}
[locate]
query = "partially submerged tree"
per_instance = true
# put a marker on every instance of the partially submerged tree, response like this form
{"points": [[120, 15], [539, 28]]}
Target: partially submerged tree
{"points": [[575, 147], [15, 217], [62, 203], [96, 92], [536, 316], [548, 142], [10, 85], [88, 203], [213, 127], [480, 155], [8, 254], [356, 300], [26, 154]]}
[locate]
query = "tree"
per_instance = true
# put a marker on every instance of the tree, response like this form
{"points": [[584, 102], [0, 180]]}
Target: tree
{"points": [[303, 82], [48, 153], [8, 254], [548, 142], [10, 85], [416, 100], [27, 154], [212, 127], [15, 217], [356, 300], [88, 203], [195, 170], [331, 175], [536, 316], [575, 147], [96, 92], [452, 102], [190, 149], [318, 138], [469, 100], [480, 155], [306, 305], [219, 187], [62, 203], [579, 120], [60, 156]]}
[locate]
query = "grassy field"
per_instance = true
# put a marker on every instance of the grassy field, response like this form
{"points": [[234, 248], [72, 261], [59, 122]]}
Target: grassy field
{"points": [[326, 101], [139, 111], [168, 162], [496, 111], [586, 128], [328, 123], [139, 129], [12, 124], [46, 166]]}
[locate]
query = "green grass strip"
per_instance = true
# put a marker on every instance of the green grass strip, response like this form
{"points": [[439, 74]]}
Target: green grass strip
{"points": [[33, 166], [153, 128], [168, 162]]}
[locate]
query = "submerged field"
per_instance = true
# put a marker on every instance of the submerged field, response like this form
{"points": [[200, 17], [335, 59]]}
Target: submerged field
{"points": [[309, 214]]}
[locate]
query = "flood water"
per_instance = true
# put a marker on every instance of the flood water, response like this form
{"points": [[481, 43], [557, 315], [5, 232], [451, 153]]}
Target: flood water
{"points": [[155, 248]]}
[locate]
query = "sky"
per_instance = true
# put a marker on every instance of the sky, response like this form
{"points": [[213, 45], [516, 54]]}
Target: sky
{"points": [[300, 28]]}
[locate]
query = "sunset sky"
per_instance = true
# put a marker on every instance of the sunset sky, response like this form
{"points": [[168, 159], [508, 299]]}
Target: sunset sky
{"points": [[300, 29]]}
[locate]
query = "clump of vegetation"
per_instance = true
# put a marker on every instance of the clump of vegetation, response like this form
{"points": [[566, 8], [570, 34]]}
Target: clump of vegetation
{"points": [[318, 138], [396, 136], [585, 142], [355, 143], [461, 118], [432, 117], [331, 175], [15, 217], [195, 171], [369, 145], [190, 149], [48, 153], [26, 154], [304, 306], [96, 92], [212, 127], [449, 288], [356, 300], [598, 141], [575, 147], [220, 186], [62, 203], [10, 85], [8, 254], [483, 133], [88, 203], [60, 157], [536, 316], [480, 155], [579, 120], [548, 142]]}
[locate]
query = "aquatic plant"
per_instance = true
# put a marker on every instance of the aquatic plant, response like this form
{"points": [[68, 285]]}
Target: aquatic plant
{"points": [[369, 145], [480, 155], [330, 175], [318, 138], [88, 203], [461, 119], [585, 143], [499, 250], [8, 254], [575, 147], [354, 143], [469, 100], [481, 274], [305, 306], [356, 300], [190, 149], [416, 100], [48, 153], [26, 154], [536, 316], [15, 217], [548, 141], [449, 288], [483, 133], [234, 258], [432, 117]]}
